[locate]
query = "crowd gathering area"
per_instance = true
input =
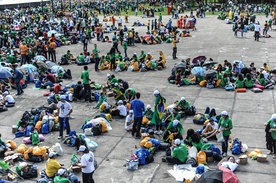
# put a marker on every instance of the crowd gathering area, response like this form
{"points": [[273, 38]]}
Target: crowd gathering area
{"points": [[29, 41]]}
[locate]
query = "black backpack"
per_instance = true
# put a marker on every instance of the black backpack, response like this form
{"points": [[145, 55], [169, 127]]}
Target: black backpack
{"points": [[97, 130]]}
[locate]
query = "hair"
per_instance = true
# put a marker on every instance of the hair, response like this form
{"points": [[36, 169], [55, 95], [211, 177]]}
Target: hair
{"points": [[79, 82], [248, 76], [120, 80], [85, 67], [240, 77], [231, 157], [190, 132], [261, 75], [137, 95]]}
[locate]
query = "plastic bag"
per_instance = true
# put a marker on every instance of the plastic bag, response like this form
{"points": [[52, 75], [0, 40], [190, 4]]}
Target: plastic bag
{"points": [[219, 137], [58, 149], [244, 148], [132, 164], [130, 69], [74, 159], [88, 132]]}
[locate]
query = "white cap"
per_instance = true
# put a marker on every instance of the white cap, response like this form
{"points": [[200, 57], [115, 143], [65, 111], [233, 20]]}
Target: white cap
{"points": [[131, 111], [134, 53], [120, 102], [60, 83], [149, 53], [148, 107], [175, 122], [52, 154], [6, 93], [82, 148], [62, 97], [61, 171], [273, 117], [108, 75], [224, 113], [183, 98], [177, 141], [116, 84], [156, 92]]}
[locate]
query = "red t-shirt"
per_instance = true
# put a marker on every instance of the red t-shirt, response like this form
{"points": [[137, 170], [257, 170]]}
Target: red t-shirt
{"points": [[51, 78], [57, 88]]}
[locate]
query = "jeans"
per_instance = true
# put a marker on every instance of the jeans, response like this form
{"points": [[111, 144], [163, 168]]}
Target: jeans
{"points": [[53, 56], [23, 59], [273, 146], [125, 50], [174, 52], [112, 64], [61, 122], [173, 160], [87, 177], [256, 35], [224, 144], [137, 126], [19, 88], [97, 60], [87, 92]]}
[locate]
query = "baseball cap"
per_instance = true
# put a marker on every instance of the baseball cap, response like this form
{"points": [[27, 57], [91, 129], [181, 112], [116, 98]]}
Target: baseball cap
{"points": [[183, 98], [224, 113], [62, 97], [52, 154], [82, 148], [177, 141], [148, 107], [273, 117], [131, 111], [156, 92], [61, 171], [175, 122], [116, 84], [120, 102], [5, 93]]}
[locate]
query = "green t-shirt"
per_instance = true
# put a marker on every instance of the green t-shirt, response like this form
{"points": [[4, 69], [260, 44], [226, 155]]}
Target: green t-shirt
{"points": [[184, 104], [176, 116], [180, 152], [81, 58], [142, 56], [114, 80], [248, 83], [96, 53], [219, 76], [272, 124], [262, 81], [177, 128], [59, 179], [85, 77], [225, 123], [132, 92], [223, 82], [239, 83], [125, 45], [148, 114]]}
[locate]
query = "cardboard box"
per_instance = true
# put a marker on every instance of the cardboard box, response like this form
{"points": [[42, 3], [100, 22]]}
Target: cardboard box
{"points": [[262, 158], [144, 135], [210, 159], [76, 169], [243, 159]]}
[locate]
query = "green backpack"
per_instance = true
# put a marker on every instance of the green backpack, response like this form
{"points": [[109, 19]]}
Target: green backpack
{"points": [[35, 138]]}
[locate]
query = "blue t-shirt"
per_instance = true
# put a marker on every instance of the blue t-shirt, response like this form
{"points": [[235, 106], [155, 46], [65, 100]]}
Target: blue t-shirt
{"points": [[138, 108]]}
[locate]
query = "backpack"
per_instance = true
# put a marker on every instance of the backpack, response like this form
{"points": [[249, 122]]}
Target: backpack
{"points": [[201, 157], [35, 138], [192, 110], [97, 130], [29, 130], [45, 128], [236, 147]]}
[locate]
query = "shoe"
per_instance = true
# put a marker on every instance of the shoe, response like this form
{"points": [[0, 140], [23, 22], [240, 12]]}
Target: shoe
{"points": [[222, 154], [225, 155], [17, 94], [60, 137], [164, 160], [156, 132], [160, 132], [67, 135]]}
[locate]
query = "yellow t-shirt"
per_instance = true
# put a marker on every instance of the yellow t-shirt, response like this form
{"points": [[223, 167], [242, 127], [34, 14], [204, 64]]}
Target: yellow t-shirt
{"points": [[174, 43], [52, 166]]}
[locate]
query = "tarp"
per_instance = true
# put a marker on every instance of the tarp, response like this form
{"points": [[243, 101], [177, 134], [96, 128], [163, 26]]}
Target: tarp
{"points": [[10, 2]]}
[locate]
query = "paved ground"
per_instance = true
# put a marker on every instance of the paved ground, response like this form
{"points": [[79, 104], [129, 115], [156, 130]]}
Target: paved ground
{"points": [[213, 39]]}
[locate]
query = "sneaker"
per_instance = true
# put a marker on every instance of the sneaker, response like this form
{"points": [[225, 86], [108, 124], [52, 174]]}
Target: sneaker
{"points": [[164, 160], [67, 135], [160, 132], [156, 132], [60, 137], [224, 154]]}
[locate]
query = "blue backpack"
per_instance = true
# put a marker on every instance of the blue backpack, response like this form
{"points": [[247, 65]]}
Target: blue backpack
{"points": [[236, 147], [45, 128], [29, 130]]}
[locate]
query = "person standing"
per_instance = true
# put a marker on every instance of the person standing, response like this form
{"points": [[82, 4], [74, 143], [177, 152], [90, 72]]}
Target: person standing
{"points": [[225, 125], [52, 50], [85, 42], [159, 107], [174, 41], [138, 108], [125, 47], [271, 135], [96, 57], [23, 52], [86, 80], [64, 112], [242, 28], [112, 54], [257, 31], [87, 165], [17, 76]]}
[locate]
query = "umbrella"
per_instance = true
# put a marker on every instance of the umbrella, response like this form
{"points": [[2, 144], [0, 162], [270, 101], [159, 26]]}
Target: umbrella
{"points": [[197, 71], [239, 63], [56, 69], [198, 60], [30, 68], [209, 73], [42, 64], [4, 73], [221, 175], [178, 66], [209, 63], [50, 64], [39, 58], [53, 32]]}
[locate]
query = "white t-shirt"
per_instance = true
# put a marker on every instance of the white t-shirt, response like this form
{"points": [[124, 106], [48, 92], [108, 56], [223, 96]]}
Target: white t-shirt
{"points": [[64, 108], [122, 109], [87, 160], [9, 99], [257, 27], [129, 119], [230, 165], [215, 126], [1, 97]]}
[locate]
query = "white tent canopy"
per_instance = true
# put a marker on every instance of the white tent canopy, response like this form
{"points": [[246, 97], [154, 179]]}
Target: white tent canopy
{"points": [[12, 2]]}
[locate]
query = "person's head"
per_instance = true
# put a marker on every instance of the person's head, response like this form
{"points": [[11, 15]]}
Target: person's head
{"points": [[224, 114], [108, 75], [148, 107], [137, 95], [182, 99], [156, 93], [5, 93], [248, 76], [175, 110], [231, 159], [83, 149], [273, 117], [62, 98], [175, 123], [261, 75], [120, 102], [265, 64], [252, 64], [177, 142], [61, 172], [211, 121], [85, 67], [240, 77], [112, 76], [130, 112], [52, 155], [79, 82]]}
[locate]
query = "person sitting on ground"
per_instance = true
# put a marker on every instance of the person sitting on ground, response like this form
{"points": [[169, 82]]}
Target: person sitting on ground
{"points": [[261, 80], [200, 118], [123, 85], [225, 80], [179, 153], [78, 91], [193, 139], [173, 131], [58, 88], [52, 98], [81, 59], [129, 94], [210, 129], [49, 80], [266, 67], [248, 81], [172, 116], [52, 165], [120, 110], [62, 176], [129, 121], [113, 80], [239, 83], [148, 114], [142, 56], [231, 163], [101, 100], [8, 99], [183, 105], [118, 95], [161, 62]]}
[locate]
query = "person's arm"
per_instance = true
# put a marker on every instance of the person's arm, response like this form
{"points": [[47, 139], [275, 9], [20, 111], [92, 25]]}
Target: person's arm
{"points": [[221, 161]]}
